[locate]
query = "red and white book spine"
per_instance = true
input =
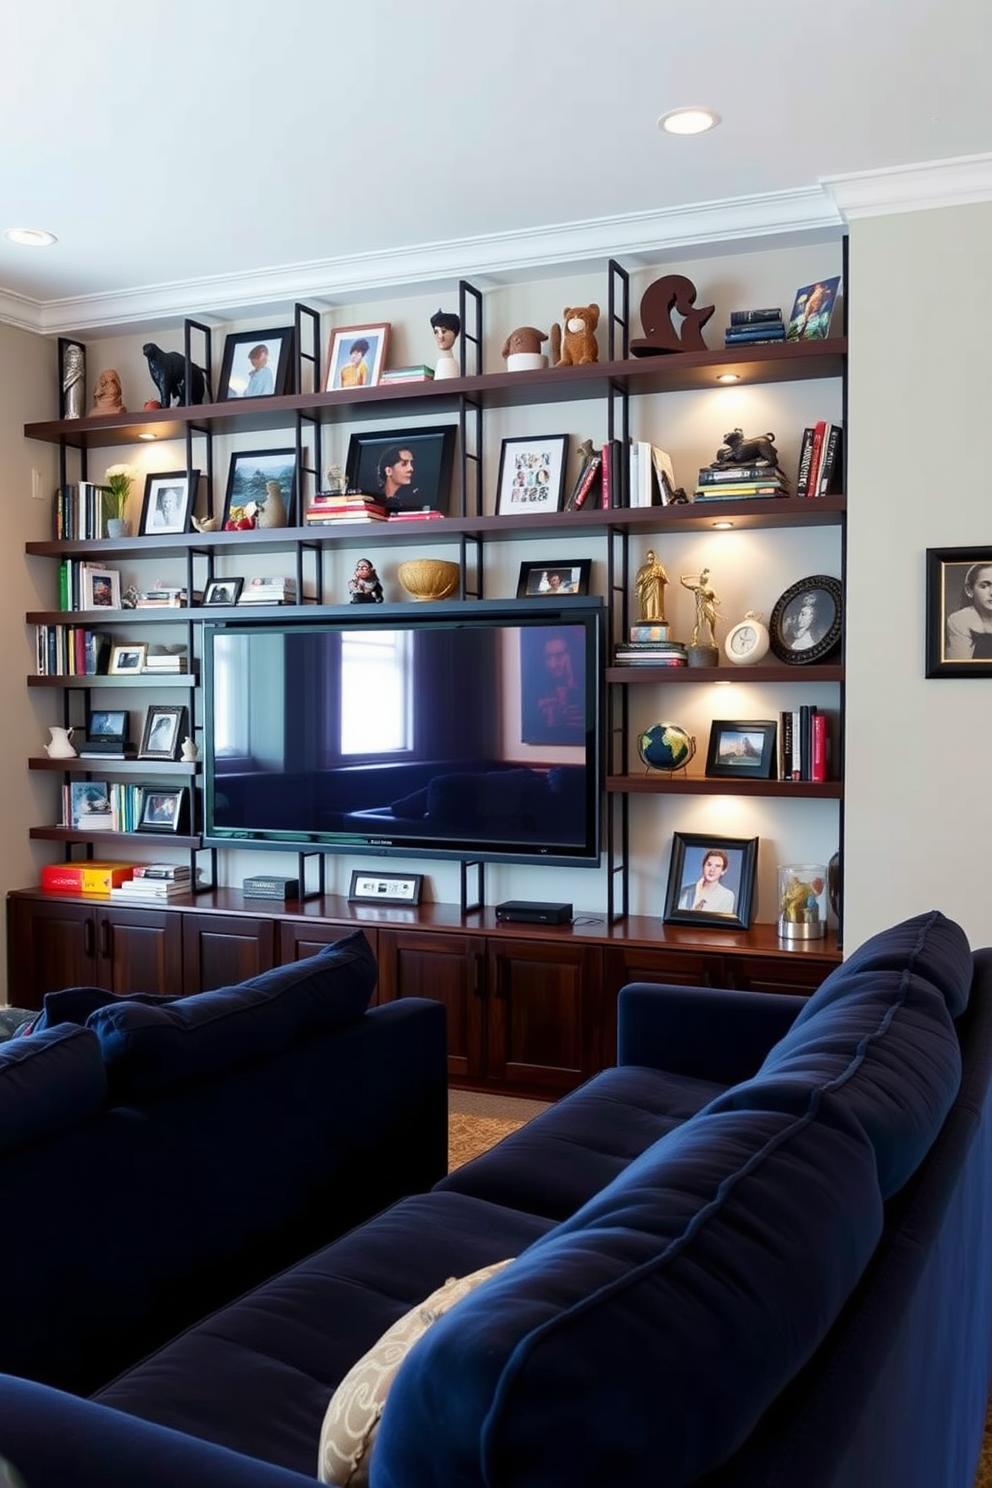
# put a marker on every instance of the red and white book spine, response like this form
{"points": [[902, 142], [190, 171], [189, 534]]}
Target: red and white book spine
{"points": [[818, 753], [819, 432]]}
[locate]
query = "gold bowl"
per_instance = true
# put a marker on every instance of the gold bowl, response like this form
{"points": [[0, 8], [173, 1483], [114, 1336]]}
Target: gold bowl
{"points": [[429, 578]]}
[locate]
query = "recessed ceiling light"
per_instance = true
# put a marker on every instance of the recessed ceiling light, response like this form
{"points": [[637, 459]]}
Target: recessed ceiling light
{"points": [[729, 377], [30, 237], [689, 120], [723, 526], [147, 436]]}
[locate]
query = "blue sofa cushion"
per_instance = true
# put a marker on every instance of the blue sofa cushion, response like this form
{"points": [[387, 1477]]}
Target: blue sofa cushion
{"points": [[151, 1047], [75, 1004], [653, 1327], [879, 1033], [48, 1082]]}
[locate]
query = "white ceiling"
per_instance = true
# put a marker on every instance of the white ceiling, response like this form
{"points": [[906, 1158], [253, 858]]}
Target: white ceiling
{"points": [[227, 153]]}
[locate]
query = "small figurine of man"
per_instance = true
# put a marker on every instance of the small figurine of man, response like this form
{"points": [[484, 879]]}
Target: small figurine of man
{"points": [[364, 584], [649, 585], [446, 327], [706, 603]]}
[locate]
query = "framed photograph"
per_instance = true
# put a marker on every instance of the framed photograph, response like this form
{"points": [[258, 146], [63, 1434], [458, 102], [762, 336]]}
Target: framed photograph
{"points": [[393, 888], [408, 469], [807, 620], [356, 357], [812, 309], [711, 881], [127, 661], [543, 580], [99, 588], [248, 480], [163, 809], [257, 364], [162, 736], [744, 749], [959, 612], [552, 685], [89, 805], [108, 725], [531, 474], [222, 591], [168, 503]]}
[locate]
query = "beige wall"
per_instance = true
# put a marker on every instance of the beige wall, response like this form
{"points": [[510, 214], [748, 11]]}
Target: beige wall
{"points": [[918, 802]]}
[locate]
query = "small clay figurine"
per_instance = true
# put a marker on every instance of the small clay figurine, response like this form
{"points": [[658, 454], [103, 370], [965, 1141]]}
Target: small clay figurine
{"points": [[73, 381], [190, 751], [108, 396], [522, 349], [446, 326], [364, 584], [671, 292]]}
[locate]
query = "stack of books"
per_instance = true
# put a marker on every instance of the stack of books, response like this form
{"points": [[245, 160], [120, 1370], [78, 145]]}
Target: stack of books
{"points": [[155, 883], [754, 327], [804, 744], [649, 646], [262, 590], [355, 506], [419, 372], [819, 459], [162, 597], [426, 514], [738, 482], [161, 659], [82, 509]]}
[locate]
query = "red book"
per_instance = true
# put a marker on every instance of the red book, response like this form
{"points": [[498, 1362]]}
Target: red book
{"points": [[587, 482], [819, 430], [818, 754]]}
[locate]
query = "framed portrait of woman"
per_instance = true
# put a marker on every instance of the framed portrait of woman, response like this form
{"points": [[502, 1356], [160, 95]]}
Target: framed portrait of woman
{"points": [[959, 612], [807, 620]]}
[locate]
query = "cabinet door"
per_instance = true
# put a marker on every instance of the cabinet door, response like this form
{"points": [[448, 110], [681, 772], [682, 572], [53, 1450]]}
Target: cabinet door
{"points": [[801, 975], [51, 943], [449, 969], [301, 938], [220, 950], [623, 964], [543, 1015], [140, 950]]}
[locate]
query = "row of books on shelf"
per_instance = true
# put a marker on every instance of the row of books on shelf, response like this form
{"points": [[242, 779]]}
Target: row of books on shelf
{"points": [[804, 744], [79, 651], [641, 475], [819, 459], [755, 327], [105, 876], [117, 806], [82, 509]]}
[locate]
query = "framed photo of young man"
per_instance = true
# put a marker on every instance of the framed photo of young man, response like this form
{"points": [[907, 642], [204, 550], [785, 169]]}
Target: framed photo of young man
{"points": [[959, 612], [711, 881], [257, 364], [408, 470]]}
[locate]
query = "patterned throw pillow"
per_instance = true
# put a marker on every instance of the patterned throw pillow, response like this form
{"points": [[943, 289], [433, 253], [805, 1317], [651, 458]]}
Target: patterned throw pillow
{"points": [[348, 1434]]}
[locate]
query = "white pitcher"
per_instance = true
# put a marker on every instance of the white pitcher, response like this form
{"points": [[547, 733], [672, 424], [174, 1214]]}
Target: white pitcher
{"points": [[60, 747]]}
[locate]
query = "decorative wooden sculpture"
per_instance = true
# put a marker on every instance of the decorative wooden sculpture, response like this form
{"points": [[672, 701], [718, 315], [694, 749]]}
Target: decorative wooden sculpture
{"points": [[673, 292]]}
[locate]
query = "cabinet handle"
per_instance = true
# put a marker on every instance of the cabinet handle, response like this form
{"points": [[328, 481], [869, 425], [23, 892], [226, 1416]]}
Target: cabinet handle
{"points": [[105, 940], [477, 975], [88, 944]]}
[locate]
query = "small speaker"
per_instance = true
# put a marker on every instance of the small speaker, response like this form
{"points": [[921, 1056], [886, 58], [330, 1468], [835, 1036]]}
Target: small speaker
{"points": [[270, 888], [533, 912]]}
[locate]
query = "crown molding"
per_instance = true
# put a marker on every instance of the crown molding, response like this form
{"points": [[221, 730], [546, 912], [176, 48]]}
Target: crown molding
{"points": [[912, 188], [20, 311]]}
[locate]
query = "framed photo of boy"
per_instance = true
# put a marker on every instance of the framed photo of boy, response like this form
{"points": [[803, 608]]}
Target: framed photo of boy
{"points": [[248, 480], [531, 475], [163, 809], [711, 881], [168, 502], [407, 469], [257, 364], [744, 749], [356, 357], [162, 735], [546, 580], [959, 612]]}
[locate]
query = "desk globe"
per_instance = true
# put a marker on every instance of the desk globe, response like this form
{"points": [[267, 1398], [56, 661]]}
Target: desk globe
{"points": [[666, 746]]}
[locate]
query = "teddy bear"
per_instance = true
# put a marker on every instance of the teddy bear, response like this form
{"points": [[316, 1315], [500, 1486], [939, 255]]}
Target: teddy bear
{"points": [[574, 342]]}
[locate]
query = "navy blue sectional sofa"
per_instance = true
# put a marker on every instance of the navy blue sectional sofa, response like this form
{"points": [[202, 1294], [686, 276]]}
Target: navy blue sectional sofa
{"points": [[756, 1252]]}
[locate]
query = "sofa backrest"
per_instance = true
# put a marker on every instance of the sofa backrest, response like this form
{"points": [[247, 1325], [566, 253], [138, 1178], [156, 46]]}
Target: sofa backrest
{"points": [[48, 1083]]}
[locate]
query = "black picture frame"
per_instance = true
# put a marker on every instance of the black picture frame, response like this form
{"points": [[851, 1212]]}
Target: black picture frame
{"points": [[157, 741], [955, 625], [168, 502], [385, 888], [690, 851], [531, 474], [237, 367], [551, 580], [222, 591], [164, 808], [741, 749], [108, 725], [807, 621], [248, 473], [432, 451]]}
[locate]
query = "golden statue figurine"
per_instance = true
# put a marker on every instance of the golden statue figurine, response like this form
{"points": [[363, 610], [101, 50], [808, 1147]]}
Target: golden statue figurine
{"points": [[706, 605], [649, 584]]}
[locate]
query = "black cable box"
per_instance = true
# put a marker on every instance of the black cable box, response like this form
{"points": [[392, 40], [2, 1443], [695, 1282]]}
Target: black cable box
{"points": [[533, 912], [270, 888]]}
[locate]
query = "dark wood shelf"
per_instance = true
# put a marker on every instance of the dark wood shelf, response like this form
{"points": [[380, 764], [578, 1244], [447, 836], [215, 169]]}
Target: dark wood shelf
{"points": [[187, 681], [678, 372], [72, 834], [110, 765], [825, 671], [660, 784]]}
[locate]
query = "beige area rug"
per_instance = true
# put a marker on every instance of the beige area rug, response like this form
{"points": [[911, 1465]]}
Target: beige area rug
{"points": [[477, 1122]]}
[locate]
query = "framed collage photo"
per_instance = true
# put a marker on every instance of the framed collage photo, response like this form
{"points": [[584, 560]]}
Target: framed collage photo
{"points": [[356, 357], [806, 622], [162, 736], [257, 364], [409, 470], [711, 881], [163, 809], [743, 750], [168, 503], [548, 580], [959, 612], [248, 480], [531, 475]]}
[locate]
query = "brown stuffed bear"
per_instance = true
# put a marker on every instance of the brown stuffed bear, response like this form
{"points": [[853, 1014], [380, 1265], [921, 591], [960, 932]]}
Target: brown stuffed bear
{"points": [[577, 344]]}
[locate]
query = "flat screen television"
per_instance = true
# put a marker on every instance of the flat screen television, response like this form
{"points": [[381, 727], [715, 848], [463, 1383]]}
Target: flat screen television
{"points": [[466, 731]]}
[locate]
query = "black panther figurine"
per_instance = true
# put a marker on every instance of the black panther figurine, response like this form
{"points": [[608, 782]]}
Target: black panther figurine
{"points": [[168, 372]]}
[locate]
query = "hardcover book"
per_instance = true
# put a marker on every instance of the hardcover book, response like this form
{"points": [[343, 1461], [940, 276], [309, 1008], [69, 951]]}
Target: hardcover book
{"points": [[811, 312]]}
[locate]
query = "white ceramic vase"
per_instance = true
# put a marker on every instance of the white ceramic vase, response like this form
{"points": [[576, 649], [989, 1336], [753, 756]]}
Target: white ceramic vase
{"points": [[61, 745]]}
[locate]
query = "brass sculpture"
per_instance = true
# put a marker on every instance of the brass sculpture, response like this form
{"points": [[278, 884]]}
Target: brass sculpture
{"points": [[706, 605], [649, 584]]}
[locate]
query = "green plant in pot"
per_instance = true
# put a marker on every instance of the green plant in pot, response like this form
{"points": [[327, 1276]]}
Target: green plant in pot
{"points": [[118, 482]]}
